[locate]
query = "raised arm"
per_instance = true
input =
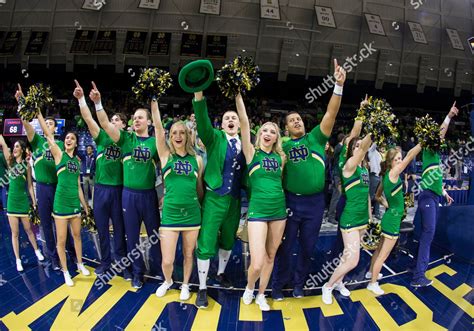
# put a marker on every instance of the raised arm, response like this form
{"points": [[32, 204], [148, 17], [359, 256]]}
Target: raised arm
{"points": [[78, 93], [399, 168], [203, 123], [247, 147], [5, 149], [30, 131], [30, 185], [358, 156], [444, 126], [55, 150], [334, 104], [357, 127], [163, 149], [104, 122]]}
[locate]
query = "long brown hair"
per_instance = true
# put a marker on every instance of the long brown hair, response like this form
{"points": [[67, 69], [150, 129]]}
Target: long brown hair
{"points": [[12, 159], [386, 165], [350, 150]]}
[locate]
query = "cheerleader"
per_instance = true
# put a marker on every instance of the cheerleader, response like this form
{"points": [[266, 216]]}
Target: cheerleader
{"points": [[354, 218], [107, 198], [67, 198], [182, 174], [394, 204], [267, 209], [18, 203], [428, 203], [139, 198]]}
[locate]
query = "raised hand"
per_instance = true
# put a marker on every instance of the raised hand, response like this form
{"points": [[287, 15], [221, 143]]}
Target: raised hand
{"points": [[339, 74], [19, 93], [364, 102], [78, 91], [94, 95], [454, 111]]}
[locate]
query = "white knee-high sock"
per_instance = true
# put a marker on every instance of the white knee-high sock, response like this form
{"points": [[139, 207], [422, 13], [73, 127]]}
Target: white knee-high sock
{"points": [[203, 269], [223, 260]]}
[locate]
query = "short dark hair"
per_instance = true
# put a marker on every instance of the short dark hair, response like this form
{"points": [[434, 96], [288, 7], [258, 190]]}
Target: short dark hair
{"points": [[122, 117], [340, 137], [51, 118], [290, 113]]}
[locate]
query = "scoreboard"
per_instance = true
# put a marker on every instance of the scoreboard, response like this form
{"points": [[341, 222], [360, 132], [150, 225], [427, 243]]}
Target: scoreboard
{"points": [[14, 127]]}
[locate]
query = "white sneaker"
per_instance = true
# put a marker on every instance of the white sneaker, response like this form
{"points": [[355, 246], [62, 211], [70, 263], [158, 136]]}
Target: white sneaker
{"points": [[67, 278], [39, 255], [164, 287], [184, 295], [83, 269], [327, 294], [261, 301], [368, 275], [375, 288], [19, 267], [248, 296], [342, 289]]}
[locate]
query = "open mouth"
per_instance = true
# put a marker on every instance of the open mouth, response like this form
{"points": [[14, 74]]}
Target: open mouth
{"points": [[231, 125], [266, 139], [178, 141]]}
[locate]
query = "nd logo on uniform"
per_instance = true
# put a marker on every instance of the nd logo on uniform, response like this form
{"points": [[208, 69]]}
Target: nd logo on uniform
{"points": [[112, 153], [48, 155], [72, 167], [270, 164], [181, 167], [141, 154], [298, 154]]}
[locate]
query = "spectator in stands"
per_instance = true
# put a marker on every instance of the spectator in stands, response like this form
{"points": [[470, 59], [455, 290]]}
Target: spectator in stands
{"points": [[191, 122], [88, 172], [374, 161]]}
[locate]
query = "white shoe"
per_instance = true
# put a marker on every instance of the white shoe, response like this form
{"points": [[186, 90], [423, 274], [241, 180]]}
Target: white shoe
{"points": [[375, 288], [67, 278], [83, 269], [39, 255], [261, 301], [368, 275], [184, 295], [248, 296], [164, 287], [19, 267], [342, 289], [327, 294]]}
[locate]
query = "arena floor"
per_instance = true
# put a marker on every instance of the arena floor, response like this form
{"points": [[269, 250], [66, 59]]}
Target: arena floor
{"points": [[38, 298]]}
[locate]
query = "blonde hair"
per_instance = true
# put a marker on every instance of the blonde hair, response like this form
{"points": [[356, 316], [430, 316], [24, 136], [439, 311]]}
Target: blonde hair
{"points": [[189, 144], [276, 148]]}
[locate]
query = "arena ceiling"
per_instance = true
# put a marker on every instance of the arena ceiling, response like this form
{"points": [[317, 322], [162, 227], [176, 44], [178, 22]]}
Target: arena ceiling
{"points": [[295, 44]]}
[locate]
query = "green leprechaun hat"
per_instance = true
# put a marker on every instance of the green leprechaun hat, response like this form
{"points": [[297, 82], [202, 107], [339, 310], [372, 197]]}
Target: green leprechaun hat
{"points": [[196, 76]]}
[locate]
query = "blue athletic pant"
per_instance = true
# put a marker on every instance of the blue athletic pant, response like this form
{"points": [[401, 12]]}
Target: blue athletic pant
{"points": [[428, 205], [138, 206], [305, 214], [108, 206], [45, 197]]}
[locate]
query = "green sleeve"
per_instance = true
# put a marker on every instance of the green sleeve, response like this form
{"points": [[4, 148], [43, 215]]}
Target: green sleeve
{"points": [[204, 126], [124, 136], [319, 136], [37, 142], [99, 140]]}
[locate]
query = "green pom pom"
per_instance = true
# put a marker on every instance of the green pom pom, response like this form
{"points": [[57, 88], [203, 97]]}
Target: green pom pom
{"points": [[380, 121], [428, 133], [151, 84], [37, 98], [239, 76]]}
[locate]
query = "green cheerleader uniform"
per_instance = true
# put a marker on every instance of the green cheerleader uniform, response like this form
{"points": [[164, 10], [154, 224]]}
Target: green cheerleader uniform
{"points": [[181, 208], [396, 204], [66, 199], [356, 211], [267, 199], [18, 203]]}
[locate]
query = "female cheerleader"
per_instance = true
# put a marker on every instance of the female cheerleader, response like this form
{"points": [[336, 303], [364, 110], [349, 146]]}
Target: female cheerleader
{"points": [[267, 208], [394, 204], [68, 198], [356, 214], [18, 203], [182, 174]]}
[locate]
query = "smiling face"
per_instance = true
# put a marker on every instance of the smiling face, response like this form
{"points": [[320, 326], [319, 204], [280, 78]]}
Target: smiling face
{"points": [[268, 135], [140, 121], [178, 135], [231, 123], [70, 142], [295, 125], [17, 150]]}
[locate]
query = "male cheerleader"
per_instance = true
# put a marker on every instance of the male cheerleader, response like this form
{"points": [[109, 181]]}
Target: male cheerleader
{"points": [[108, 186], [139, 199], [304, 181]]}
